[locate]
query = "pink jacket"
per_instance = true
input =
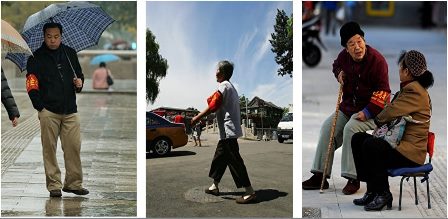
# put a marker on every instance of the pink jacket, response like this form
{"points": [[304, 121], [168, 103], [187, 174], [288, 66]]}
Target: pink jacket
{"points": [[99, 78]]}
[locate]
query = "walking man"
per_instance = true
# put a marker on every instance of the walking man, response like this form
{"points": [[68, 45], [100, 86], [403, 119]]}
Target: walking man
{"points": [[225, 103], [363, 73], [54, 76]]}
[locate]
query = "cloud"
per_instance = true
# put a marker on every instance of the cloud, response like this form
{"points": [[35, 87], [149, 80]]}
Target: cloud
{"points": [[185, 41], [244, 43], [279, 93], [189, 81]]}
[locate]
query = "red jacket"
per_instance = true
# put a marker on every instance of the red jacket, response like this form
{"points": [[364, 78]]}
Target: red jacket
{"points": [[366, 83]]}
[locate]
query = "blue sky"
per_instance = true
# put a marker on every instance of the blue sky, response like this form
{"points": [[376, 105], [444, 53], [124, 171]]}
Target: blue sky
{"points": [[194, 36]]}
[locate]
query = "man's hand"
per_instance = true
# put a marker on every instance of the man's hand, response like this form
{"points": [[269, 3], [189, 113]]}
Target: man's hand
{"points": [[15, 121], [194, 120], [77, 82], [361, 116], [341, 77]]}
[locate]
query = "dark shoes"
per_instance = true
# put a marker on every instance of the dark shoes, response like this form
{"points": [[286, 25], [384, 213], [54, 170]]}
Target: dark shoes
{"points": [[380, 200], [314, 182], [55, 193], [81, 191], [251, 198], [214, 192], [351, 187], [366, 199]]}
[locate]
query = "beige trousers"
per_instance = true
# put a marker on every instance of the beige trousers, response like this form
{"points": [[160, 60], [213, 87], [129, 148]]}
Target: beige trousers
{"points": [[67, 127]]}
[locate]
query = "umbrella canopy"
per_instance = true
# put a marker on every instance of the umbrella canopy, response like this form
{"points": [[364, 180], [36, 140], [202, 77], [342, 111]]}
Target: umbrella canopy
{"points": [[104, 58], [12, 41], [82, 26]]}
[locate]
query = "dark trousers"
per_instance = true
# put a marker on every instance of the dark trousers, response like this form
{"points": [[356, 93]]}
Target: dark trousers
{"points": [[373, 156], [228, 154]]}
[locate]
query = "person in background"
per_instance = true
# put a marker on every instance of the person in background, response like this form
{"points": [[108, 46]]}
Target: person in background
{"points": [[197, 130], [8, 102], [99, 77]]}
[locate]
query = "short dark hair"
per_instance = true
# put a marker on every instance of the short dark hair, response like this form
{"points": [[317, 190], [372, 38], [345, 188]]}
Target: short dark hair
{"points": [[226, 68], [102, 64], [52, 25]]}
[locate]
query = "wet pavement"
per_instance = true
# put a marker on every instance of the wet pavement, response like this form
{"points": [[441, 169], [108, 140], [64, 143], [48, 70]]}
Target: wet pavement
{"points": [[318, 102], [108, 155]]}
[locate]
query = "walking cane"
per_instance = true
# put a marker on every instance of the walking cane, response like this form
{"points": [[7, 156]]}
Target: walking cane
{"points": [[330, 143]]}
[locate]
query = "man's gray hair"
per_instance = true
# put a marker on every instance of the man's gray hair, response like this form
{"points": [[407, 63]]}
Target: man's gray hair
{"points": [[226, 68]]}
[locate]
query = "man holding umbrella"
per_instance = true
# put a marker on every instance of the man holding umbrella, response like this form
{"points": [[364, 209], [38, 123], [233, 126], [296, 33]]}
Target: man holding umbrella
{"points": [[53, 79]]}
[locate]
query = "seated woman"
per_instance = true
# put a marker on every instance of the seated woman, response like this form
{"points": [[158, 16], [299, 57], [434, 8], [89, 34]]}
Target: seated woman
{"points": [[373, 156]]}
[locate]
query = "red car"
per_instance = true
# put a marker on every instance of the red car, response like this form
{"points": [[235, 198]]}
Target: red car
{"points": [[162, 135]]}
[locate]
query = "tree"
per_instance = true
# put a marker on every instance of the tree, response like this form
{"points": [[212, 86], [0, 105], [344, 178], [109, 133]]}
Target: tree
{"points": [[282, 43], [156, 67], [285, 110], [243, 100], [193, 109]]}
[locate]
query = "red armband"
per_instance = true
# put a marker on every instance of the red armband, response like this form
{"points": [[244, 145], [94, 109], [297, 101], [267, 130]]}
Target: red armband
{"points": [[31, 82], [214, 101], [380, 98]]}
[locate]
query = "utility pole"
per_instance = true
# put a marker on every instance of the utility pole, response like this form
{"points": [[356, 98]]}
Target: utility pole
{"points": [[246, 125], [247, 112]]}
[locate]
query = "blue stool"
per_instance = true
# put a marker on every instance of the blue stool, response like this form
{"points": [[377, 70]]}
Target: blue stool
{"points": [[421, 171]]}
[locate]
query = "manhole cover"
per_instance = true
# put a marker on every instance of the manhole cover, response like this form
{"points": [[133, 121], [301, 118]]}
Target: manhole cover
{"points": [[311, 213], [197, 194]]}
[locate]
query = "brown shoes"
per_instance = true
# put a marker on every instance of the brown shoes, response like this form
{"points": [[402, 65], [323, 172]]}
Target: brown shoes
{"points": [[314, 182], [251, 198], [55, 193], [214, 192], [351, 187]]}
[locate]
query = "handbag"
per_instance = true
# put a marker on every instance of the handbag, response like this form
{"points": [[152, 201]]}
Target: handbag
{"points": [[110, 81], [392, 132]]}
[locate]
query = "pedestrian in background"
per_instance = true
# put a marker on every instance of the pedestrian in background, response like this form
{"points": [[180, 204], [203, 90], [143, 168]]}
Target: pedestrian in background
{"points": [[197, 130], [8, 102], [52, 87], [363, 74], [179, 118], [99, 77], [330, 8], [374, 156], [225, 102]]}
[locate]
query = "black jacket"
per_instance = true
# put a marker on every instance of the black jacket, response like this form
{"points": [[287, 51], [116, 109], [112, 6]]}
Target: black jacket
{"points": [[53, 87], [8, 99]]}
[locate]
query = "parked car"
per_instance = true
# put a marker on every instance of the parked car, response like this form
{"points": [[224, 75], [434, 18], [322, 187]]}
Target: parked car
{"points": [[285, 127], [162, 135]]}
